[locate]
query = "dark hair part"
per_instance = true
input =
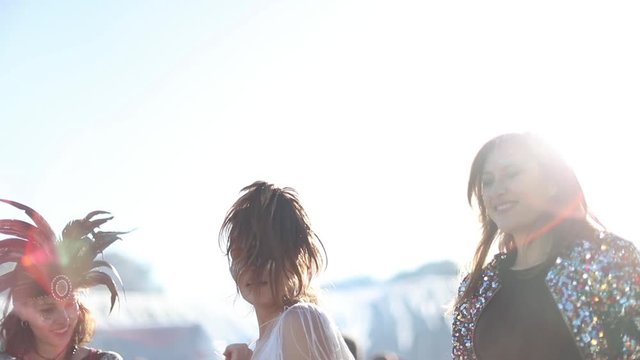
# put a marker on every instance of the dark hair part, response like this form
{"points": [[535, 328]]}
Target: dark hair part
{"points": [[569, 199], [19, 339], [267, 231]]}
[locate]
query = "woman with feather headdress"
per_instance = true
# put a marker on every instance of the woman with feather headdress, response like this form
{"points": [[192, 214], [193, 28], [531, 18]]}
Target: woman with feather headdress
{"points": [[43, 318]]}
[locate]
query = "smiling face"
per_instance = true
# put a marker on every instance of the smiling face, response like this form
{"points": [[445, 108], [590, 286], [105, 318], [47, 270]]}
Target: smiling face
{"points": [[514, 189], [53, 322]]}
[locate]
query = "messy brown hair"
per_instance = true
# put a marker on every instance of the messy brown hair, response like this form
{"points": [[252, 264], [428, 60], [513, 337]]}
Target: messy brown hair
{"points": [[267, 231]]}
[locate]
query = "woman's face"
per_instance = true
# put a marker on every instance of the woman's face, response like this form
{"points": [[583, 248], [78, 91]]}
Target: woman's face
{"points": [[52, 322], [515, 192], [254, 287]]}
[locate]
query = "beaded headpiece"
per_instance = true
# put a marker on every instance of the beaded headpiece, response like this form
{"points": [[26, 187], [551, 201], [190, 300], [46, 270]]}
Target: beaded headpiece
{"points": [[49, 266]]}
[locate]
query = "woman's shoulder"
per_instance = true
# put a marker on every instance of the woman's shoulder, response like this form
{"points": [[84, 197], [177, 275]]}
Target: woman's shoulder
{"points": [[309, 324], [305, 308], [606, 253], [615, 242], [306, 313], [102, 355], [489, 271], [608, 246], [109, 355]]}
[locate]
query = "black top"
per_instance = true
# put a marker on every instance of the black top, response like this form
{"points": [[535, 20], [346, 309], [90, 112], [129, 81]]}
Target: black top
{"points": [[522, 320]]}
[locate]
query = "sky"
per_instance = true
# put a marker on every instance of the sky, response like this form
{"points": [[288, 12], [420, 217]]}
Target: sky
{"points": [[161, 111]]}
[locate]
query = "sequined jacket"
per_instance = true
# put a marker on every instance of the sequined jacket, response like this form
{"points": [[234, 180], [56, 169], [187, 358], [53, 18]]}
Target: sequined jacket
{"points": [[596, 285]]}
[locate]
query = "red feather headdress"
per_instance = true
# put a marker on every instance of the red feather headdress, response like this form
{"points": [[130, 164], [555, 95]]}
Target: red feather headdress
{"points": [[46, 265]]}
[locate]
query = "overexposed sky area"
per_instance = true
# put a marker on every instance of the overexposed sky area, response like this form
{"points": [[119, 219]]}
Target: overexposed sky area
{"points": [[161, 111]]}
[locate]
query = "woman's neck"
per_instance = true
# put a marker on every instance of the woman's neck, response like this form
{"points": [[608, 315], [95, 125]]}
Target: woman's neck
{"points": [[45, 351], [532, 249], [266, 318]]}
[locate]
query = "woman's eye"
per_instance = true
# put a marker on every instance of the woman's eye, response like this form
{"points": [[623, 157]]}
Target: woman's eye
{"points": [[47, 311], [486, 182]]}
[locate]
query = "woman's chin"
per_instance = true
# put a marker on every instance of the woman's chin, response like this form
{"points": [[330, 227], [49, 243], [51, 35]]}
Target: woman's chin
{"points": [[62, 336]]}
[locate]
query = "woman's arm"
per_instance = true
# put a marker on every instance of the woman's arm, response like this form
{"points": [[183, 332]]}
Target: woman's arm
{"points": [[621, 292]]}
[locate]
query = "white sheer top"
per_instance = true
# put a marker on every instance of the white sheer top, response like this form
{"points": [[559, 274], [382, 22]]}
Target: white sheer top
{"points": [[303, 331]]}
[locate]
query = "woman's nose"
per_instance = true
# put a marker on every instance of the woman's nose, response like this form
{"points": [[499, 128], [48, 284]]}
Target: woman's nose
{"points": [[65, 318], [499, 187], [62, 316]]}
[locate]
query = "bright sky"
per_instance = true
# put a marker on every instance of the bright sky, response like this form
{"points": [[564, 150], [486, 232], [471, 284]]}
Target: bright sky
{"points": [[161, 111]]}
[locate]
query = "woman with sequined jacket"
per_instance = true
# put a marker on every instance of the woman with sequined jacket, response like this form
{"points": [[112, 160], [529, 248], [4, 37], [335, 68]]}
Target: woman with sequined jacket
{"points": [[561, 287]]}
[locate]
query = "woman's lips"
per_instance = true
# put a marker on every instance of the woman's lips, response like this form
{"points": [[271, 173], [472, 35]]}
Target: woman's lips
{"points": [[505, 206], [61, 331]]}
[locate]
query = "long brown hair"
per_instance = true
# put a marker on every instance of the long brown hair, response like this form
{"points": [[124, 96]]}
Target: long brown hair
{"points": [[267, 231], [19, 339], [569, 199]]}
